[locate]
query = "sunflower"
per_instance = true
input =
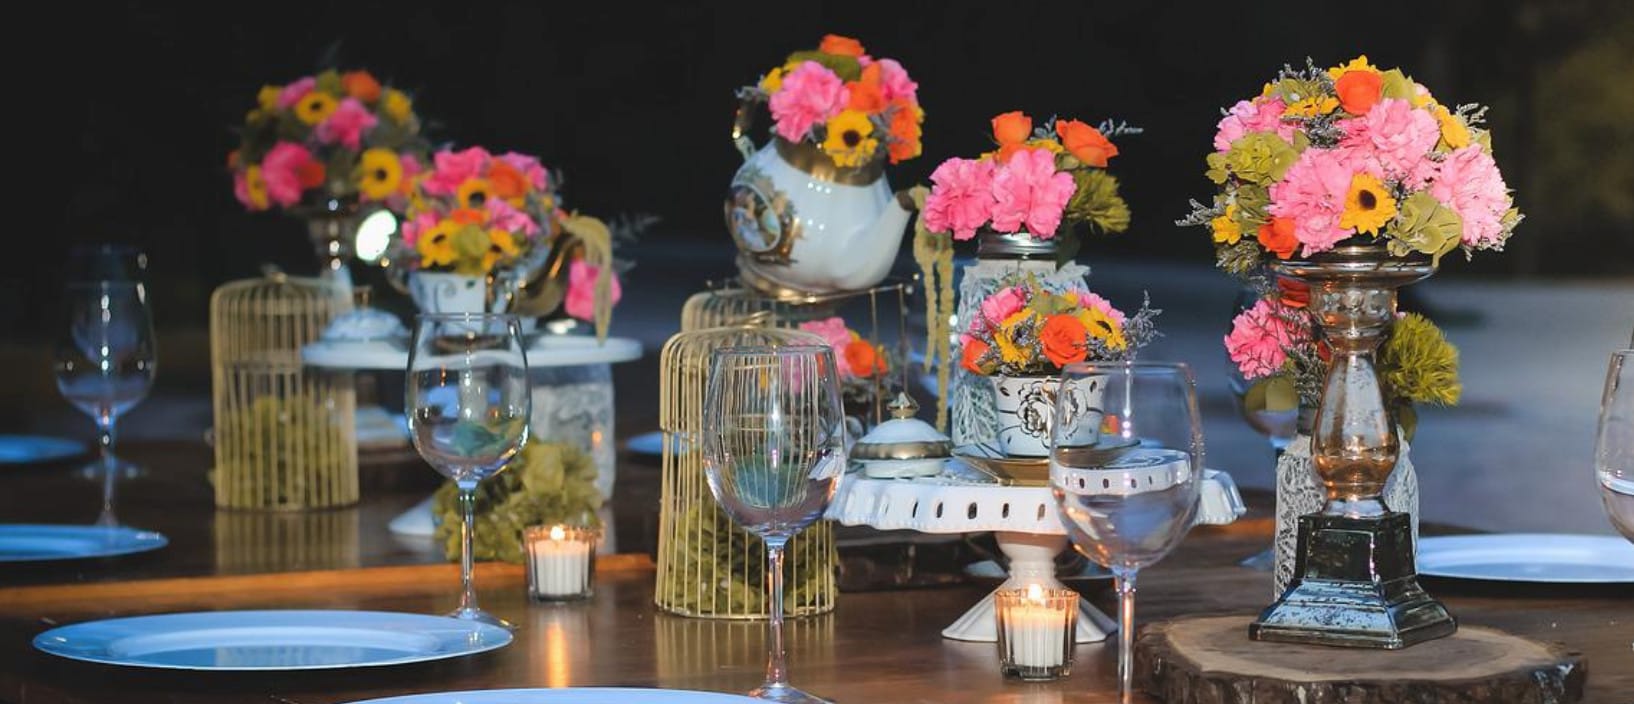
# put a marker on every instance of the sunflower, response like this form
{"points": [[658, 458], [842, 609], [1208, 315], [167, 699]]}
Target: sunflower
{"points": [[1313, 106], [379, 173], [315, 107], [1008, 338], [255, 184], [1102, 327], [501, 246], [850, 141], [436, 246], [1368, 206], [475, 192]]}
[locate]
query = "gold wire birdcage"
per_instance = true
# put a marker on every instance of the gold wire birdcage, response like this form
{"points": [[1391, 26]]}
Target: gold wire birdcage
{"points": [[284, 434], [707, 565]]}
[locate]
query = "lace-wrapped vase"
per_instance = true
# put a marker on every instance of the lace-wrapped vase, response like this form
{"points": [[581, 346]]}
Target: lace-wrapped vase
{"points": [[1299, 493]]}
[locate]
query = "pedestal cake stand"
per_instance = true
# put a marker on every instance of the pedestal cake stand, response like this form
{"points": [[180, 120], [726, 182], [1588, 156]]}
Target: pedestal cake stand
{"points": [[1023, 519]]}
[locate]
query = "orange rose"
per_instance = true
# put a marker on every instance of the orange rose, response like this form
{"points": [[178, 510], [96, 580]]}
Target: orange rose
{"points": [[468, 216], [508, 183], [863, 359], [1065, 339], [1086, 143], [1011, 130], [840, 46], [1295, 293], [866, 95], [973, 351], [310, 174], [905, 130], [1278, 236], [1358, 91], [361, 85]]}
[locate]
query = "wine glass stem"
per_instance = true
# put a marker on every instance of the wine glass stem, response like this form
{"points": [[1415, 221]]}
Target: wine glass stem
{"points": [[1125, 582], [777, 674], [468, 503], [110, 466]]}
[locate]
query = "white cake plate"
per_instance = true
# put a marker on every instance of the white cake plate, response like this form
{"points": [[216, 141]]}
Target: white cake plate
{"points": [[1022, 518], [545, 351]]}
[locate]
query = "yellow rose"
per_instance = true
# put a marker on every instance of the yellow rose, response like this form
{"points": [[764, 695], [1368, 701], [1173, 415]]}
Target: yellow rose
{"points": [[1226, 229]]}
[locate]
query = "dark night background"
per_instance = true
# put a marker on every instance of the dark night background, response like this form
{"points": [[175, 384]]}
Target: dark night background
{"points": [[632, 100]]}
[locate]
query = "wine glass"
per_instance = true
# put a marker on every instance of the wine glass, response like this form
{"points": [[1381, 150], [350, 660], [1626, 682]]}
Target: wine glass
{"points": [[107, 262], [1614, 444], [1126, 509], [468, 402], [105, 362], [774, 452]]}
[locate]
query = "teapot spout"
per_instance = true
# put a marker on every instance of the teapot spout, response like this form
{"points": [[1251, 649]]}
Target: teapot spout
{"points": [[893, 220]]}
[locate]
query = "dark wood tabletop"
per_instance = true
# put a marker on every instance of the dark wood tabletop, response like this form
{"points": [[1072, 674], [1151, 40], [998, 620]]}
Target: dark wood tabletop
{"points": [[877, 646]]}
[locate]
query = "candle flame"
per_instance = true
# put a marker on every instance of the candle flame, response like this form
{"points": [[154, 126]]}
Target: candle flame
{"points": [[557, 533], [1035, 593]]}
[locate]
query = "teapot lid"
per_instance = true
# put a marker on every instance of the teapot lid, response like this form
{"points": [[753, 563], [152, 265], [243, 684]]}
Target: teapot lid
{"points": [[904, 437]]}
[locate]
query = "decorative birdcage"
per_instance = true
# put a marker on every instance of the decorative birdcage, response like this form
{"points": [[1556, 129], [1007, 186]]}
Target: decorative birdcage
{"points": [[707, 565], [284, 434]]}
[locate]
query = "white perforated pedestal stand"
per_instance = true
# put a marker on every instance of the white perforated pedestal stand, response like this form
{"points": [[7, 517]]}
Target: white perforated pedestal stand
{"points": [[1022, 518]]}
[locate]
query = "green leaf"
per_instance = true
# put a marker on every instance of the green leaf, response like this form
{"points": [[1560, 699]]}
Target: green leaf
{"points": [[846, 67]]}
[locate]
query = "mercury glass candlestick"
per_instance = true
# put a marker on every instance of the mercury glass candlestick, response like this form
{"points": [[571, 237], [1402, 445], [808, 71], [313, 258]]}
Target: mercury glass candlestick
{"points": [[1036, 628], [561, 560], [1355, 583]]}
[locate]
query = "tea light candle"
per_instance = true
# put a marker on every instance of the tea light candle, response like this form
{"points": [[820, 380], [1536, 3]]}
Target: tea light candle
{"points": [[1036, 628], [561, 560]]}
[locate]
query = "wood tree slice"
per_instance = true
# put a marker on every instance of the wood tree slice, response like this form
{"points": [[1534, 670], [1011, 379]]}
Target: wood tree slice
{"points": [[1210, 660]]}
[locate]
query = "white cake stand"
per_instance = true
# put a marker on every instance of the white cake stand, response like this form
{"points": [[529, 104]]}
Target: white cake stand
{"points": [[1022, 518]]}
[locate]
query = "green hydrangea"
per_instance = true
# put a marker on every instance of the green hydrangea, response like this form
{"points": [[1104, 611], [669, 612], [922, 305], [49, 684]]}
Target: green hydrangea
{"points": [[1424, 225], [1097, 202], [1257, 157], [547, 483], [719, 568]]}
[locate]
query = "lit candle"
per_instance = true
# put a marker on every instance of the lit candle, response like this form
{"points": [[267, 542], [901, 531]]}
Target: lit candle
{"points": [[561, 560], [1036, 629]]}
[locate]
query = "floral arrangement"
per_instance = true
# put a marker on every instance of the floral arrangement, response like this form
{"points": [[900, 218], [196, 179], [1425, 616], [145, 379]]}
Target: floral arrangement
{"points": [[547, 483], [334, 135], [864, 367], [846, 102], [1035, 181], [1025, 329], [473, 211], [1275, 347], [1351, 153]]}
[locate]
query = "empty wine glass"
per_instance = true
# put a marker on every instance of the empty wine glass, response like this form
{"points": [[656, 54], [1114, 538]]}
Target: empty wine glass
{"points": [[1126, 510], [1614, 443], [468, 402], [774, 452], [106, 358]]}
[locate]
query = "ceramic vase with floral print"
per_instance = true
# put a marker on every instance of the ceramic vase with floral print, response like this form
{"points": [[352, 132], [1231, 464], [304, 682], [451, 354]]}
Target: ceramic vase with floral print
{"points": [[1026, 411]]}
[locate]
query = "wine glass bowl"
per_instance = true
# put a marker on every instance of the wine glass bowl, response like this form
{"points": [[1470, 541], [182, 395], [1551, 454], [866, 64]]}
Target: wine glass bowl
{"points": [[774, 452], [468, 402], [1614, 443], [1127, 511]]}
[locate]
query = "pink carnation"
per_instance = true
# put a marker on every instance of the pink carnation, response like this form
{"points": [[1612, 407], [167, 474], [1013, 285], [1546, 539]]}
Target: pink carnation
{"points": [[999, 306], [581, 289], [835, 335], [347, 124], [292, 93], [1027, 190], [1260, 338], [412, 229], [810, 94], [1093, 300], [1259, 115], [451, 168], [530, 167], [1392, 141], [1468, 181], [895, 83], [506, 217], [1312, 194], [279, 168], [961, 197], [411, 166]]}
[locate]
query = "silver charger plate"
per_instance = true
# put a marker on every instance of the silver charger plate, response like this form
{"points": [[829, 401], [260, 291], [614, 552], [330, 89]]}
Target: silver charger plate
{"points": [[273, 640], [34, 542], [570, 695], [1545, 558]]}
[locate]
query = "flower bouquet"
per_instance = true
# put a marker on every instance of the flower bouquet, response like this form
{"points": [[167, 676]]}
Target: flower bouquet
{"points": [[1033, 183], [855, 108], [1026, 333], [1352, 154], [478, 228], [864, 367]]}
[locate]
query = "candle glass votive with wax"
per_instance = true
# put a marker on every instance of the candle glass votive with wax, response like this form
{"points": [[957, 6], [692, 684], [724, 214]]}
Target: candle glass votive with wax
{"points": [[1036, 628], [561, 560]]}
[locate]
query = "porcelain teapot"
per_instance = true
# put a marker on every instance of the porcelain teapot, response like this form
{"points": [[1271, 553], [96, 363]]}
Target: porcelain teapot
{"points": [[806, 226]]}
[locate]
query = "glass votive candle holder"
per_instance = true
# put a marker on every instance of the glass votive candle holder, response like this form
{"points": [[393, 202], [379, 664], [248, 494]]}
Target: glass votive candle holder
{"points": [[561, 560], [1037, 628]]}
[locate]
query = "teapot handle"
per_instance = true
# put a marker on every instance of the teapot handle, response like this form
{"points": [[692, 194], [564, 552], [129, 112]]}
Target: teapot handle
{"points": [[748, 100]]}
